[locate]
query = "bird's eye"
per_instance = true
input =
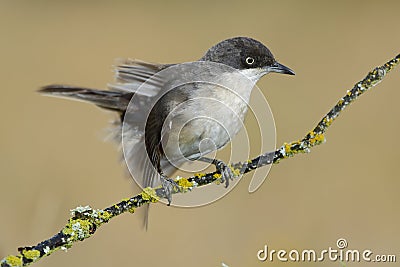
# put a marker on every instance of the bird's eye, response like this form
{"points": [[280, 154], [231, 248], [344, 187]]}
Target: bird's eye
{"points": [[249, 61]]}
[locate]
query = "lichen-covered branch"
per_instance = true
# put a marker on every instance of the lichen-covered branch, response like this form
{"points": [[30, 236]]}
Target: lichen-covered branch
{"points": [[85, 221]]}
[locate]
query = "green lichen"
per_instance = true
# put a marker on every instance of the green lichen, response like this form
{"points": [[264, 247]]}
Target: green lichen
{"points": [[31, 254]]}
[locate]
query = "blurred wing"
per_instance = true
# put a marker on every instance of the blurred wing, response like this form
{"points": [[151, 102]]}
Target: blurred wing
{"points": [[136, 77], [130, 74]]}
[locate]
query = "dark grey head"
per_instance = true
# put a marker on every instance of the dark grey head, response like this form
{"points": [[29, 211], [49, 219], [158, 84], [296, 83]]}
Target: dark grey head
{"points": [[244, 53]]}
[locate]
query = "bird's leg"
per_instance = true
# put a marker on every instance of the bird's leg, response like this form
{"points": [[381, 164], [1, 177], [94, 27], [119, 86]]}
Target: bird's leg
{"points": [[168, 186], [222, 167]]}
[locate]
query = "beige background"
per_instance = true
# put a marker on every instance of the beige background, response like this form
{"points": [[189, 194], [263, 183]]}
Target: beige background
{"points": [[52, 157]]}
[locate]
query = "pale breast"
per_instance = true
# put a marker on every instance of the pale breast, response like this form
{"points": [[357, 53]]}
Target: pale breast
{"points": [[208, 120]]}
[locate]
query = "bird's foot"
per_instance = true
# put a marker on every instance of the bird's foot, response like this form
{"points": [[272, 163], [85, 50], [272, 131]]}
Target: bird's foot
{"points": [[225, 170], [168, 186]]}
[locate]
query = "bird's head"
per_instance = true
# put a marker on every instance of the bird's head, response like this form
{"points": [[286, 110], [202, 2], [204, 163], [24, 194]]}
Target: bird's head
{"points": [[247, 55]]}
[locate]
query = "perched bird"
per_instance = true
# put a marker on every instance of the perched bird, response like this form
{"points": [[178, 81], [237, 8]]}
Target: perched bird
{"points": [[171, 113]]}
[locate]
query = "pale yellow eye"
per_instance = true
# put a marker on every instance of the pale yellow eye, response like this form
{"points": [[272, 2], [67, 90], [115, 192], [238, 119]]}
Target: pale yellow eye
{"points": [[249, 61]]}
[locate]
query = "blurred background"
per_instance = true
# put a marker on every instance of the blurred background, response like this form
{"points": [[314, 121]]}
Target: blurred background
{"points": [[53, 157]]}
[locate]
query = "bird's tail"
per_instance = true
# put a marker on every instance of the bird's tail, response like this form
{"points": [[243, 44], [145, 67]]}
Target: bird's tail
{"points": [[118, 101], [111, 100]]}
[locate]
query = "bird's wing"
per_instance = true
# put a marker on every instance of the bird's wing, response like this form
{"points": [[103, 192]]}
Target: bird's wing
{"points": [[132, 74]]}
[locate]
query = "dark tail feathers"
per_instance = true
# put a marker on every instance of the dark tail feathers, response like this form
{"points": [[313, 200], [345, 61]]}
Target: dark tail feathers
{"points": [[111, 100]]}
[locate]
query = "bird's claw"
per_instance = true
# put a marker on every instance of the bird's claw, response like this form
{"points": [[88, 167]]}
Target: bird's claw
{"points": [[225, 170], [168, 186]]}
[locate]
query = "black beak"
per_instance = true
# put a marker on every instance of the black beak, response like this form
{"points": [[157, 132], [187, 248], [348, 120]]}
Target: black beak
{"points": [[279, 68]]}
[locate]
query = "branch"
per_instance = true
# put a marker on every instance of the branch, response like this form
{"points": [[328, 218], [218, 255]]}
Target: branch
{"points": [[84, 221]]}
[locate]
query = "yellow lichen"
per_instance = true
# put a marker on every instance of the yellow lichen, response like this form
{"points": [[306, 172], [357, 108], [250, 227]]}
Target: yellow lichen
{"points": [[131, 210], [78, 229], [217, 175], [149, 194], [31, 254], [14, 260], [236, 172], [199, 174], [104, 216], [183, 182], [328, 121], [316, 138], [320, 138], [85, 225], [67, 230], [288, 150]]}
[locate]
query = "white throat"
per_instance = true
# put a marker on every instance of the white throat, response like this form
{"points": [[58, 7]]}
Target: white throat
{"points": [[253, 74]]}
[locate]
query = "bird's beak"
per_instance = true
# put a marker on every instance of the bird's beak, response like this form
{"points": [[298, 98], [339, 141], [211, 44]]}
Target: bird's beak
{"points": [[279, 68]]}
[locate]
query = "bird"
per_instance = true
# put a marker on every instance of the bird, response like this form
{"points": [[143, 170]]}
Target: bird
{"points": [[173, 113]]}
